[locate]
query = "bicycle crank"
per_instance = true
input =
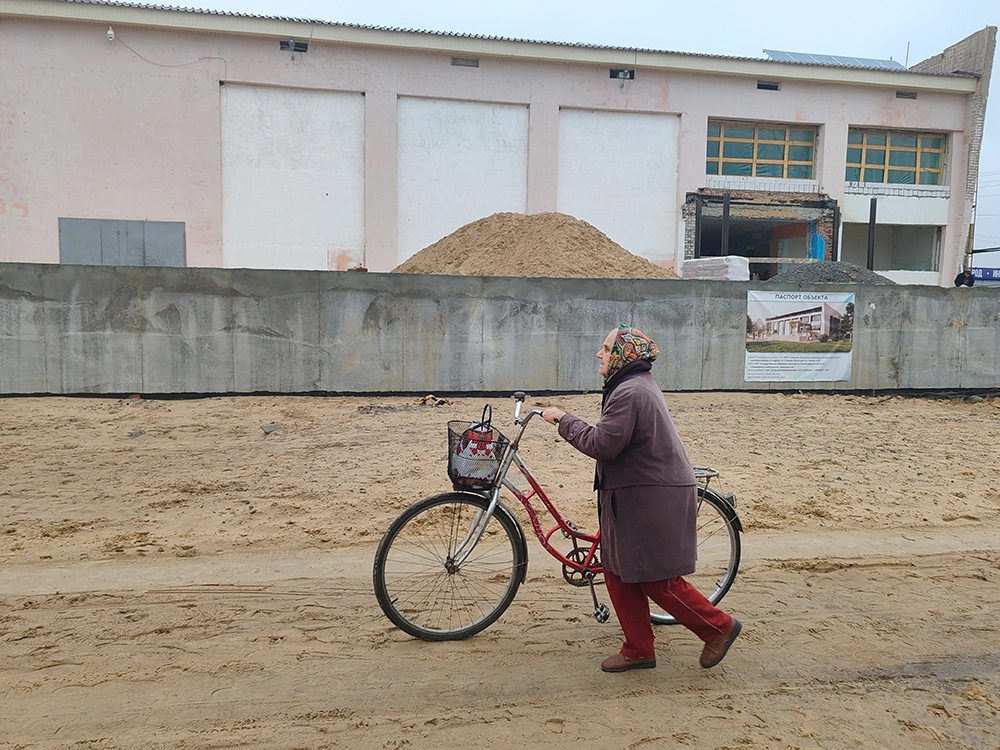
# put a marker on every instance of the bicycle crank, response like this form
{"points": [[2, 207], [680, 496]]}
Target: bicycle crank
{"points": [[601, 611]]}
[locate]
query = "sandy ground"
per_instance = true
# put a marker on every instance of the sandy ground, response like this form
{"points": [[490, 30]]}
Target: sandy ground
{"points": [[173, 577]]}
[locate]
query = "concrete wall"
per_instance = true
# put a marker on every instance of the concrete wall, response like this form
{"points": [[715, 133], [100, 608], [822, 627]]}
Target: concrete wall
{"points": [[105, 330]]}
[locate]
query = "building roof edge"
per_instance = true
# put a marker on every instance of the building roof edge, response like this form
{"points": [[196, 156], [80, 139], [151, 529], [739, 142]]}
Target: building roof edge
{"points": [[279, 27]]}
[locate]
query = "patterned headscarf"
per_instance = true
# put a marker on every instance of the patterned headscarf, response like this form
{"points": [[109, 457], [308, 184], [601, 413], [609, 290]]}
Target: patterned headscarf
{"points": [[629, 345]]}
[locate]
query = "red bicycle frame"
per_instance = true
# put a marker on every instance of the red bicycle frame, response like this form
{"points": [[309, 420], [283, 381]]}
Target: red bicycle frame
{"points": [[568, 530]]}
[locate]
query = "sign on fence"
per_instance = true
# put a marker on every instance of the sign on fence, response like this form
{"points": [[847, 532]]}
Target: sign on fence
{"points": [[799, 336]]}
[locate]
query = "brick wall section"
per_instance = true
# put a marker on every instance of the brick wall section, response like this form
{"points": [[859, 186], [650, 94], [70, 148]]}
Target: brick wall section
{"points": [[974, 54]]}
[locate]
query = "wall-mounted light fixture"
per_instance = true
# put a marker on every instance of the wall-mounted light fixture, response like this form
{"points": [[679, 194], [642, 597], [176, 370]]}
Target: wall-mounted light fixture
{"points": [[290, 45], [111, 33]]}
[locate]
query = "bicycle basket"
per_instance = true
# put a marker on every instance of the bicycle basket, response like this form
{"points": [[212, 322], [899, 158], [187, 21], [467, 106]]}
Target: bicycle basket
{"points": [[475, 450]]}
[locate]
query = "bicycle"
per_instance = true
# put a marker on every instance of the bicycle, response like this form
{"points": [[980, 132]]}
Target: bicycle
{"points": [[450, 565]]}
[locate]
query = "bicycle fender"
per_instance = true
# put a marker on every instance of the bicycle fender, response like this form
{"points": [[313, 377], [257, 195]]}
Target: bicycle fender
{"points": [[726, 506]]}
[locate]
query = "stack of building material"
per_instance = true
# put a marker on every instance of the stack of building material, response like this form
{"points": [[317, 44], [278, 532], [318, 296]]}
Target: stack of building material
{"points": [[725, 268]]}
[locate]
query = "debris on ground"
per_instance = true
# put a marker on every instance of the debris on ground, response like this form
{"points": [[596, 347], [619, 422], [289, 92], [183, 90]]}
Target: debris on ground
{"points": [[431, 400]]}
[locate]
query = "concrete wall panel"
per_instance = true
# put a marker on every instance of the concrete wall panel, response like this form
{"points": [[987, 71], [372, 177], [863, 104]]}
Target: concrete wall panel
{"points": [[187, 330], [22, 330]]}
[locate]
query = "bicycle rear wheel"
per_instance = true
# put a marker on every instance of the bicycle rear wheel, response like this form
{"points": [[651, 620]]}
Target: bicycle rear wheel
{"points": [[718, 551], [425, 591]]}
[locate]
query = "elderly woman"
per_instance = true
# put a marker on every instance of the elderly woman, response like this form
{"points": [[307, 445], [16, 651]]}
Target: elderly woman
{"points": [[647, 505]]}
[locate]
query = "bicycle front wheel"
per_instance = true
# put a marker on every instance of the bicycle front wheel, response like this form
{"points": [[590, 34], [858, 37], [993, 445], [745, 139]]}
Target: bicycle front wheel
{"points": [[718, 551], [422, 585]]}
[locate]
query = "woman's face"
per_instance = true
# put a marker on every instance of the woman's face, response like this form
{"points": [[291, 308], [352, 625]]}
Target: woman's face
{"points": [[605, 355]]}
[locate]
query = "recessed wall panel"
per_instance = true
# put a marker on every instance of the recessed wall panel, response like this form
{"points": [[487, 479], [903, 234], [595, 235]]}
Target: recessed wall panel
{"points": [[457, 162], [618, 171], [292, 178]]}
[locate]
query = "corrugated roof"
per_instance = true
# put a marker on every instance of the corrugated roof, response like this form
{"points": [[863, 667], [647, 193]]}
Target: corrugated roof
{"points": [[832, 62]]}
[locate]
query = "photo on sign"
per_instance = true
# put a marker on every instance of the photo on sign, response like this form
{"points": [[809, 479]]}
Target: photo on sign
{"points": [[799, 326]]}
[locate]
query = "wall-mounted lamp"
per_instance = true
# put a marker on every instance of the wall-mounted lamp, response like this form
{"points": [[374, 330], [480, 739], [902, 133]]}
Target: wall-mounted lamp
{"points": [[111, 33], [290, 45]]}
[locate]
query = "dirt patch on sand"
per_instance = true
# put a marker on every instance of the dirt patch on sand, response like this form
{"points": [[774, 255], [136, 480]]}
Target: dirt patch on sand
{"points": [[547, 244], [176, 577]]}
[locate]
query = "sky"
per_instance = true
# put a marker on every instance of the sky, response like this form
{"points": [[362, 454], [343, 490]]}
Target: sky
{"points": [[904, 30]]}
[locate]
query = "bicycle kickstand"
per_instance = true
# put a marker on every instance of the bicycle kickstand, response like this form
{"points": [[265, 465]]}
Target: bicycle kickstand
{"points": [[601, 611]]}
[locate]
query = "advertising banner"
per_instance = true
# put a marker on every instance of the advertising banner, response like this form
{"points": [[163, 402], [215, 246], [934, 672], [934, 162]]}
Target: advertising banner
{"points": [[799, 336]]}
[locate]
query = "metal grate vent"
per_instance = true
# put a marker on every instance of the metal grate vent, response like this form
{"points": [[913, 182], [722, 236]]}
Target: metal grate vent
{"points": [[768, 86], [465, 62], [290, 45], [906, 94], [623, 74]]}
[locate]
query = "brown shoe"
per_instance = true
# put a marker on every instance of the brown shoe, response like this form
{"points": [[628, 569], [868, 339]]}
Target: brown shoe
{"points": [[621, 663], [715, 651]]}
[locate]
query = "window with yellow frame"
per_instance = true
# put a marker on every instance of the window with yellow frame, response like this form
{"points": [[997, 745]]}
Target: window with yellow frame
{"points": [[896, 157], [760, 150]]}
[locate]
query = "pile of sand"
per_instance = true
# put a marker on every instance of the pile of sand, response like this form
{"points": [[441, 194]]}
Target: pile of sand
{"points": [[547, 244]]}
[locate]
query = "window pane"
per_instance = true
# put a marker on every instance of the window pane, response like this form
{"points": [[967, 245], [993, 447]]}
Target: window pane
{"points": [[733, 167], [800, 171], [770, 170], [873, 175], [771, 134], [930, 178], [804, 136], [874, 156], [902, 158], [714, 131], [855, 137], [875, 139], [713, 149], [853, 174], [737, 150], [800, 153], [910, 141], [711, 167], [854, 156], [902, 177], [738, 131], [930, 160], [930, 142], [770, 151]]}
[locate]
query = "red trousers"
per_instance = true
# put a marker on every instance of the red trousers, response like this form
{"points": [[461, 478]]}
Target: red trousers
{"points": [[675, 596]]}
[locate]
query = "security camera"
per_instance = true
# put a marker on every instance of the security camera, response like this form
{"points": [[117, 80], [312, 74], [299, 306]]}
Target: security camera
{"points": [[111, 34]]}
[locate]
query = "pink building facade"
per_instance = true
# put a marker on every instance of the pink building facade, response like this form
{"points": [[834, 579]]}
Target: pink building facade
{"points": [[133, 135]]}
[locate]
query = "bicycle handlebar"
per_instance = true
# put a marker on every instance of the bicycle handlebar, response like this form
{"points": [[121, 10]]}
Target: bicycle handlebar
{"points": [[519, 397]]}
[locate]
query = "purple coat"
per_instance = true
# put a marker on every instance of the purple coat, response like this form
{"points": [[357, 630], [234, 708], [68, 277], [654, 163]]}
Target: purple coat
{"points": [[647, 495]]}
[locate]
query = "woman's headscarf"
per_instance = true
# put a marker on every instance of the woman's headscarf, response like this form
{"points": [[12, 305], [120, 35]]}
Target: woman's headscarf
{"points": [[630, 344]]}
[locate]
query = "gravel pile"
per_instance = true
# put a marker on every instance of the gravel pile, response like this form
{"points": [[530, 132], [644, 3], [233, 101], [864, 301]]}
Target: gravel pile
{"points": [[837, 272]]}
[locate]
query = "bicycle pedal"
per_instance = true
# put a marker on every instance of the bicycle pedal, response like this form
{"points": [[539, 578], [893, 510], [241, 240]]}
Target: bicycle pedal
{"points": [[602, 613], [566, 534]]}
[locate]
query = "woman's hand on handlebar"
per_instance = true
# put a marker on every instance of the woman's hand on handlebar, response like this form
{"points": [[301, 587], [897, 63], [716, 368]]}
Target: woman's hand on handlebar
{"points": [[552, 414]]}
